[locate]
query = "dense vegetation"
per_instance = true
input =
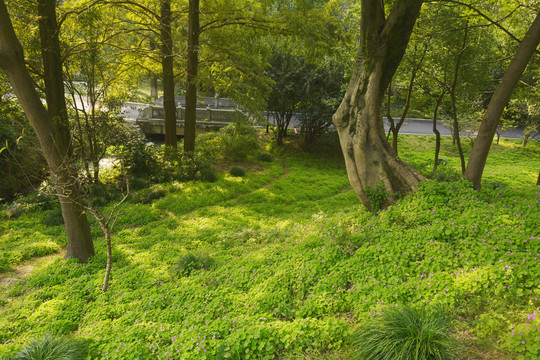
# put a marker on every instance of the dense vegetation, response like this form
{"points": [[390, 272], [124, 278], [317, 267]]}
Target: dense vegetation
{"points": [[284, 262]]}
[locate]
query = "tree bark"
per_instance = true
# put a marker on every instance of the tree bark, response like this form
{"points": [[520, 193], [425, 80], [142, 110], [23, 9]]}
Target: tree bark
{"points": [[436, 131], [192, 70], [369, 158], [51, 137], [153, 86], [52, 69], [490, 121], [169, 105], [452, 92]]}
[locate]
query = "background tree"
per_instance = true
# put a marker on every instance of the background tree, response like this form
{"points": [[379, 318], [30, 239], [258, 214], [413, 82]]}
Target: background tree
{"points": [[480, 150]]}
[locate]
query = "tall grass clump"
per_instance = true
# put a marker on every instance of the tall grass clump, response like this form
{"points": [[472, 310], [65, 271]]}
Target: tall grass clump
{"points": [[52, 348], [193, 261], [408, 334]]}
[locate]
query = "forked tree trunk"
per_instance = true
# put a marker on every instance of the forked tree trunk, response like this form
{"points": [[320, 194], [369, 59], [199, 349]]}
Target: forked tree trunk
{"points": [[192, 70], [369, 158], [169, 105], [490, 121], [52, 139]]}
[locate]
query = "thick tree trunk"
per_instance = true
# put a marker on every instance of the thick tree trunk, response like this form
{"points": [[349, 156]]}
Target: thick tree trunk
{"points": [[169, 105], [192, 70], [369, 158], [52, 66], [51, 138], [490, 121]]}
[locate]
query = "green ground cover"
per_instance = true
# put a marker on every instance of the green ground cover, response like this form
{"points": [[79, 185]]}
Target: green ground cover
{"points": [[297, 265]]}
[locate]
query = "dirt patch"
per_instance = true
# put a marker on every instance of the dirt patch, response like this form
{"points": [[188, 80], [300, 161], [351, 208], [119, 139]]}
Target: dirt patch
{"points": [[23, 270]]}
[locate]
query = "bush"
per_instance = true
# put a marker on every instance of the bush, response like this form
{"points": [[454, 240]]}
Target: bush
{"points": [[52, 348], [54, 217], [146, 196], [190, 262], [208, 175], [233, 142], [263, 157], [408, 334], [21, 161], [136, 158], [237, 171]]}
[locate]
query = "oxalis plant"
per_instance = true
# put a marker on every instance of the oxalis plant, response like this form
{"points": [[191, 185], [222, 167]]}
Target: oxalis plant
{"points": [[406, 334]]}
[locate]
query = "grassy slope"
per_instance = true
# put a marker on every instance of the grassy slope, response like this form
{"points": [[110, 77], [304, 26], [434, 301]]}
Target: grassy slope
{"points": [[300, 265]]}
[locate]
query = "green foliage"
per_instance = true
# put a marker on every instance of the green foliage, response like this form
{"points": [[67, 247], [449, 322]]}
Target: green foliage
{"points": [[193, 261], [264, 157], [21, 163], [208, 175], [233, 142], [301, 264], [406, 334], [52, 348], [148, 195], [136, 158], [54, 217], [237, 171], [377, 197]]}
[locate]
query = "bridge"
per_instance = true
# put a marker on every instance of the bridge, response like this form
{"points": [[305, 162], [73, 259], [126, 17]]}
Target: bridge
{"points": [[211, 114]]}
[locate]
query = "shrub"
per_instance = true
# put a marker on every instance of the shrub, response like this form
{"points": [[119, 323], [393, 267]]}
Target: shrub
{"points": [[146, 196], [52, 348], [233, 142], [377, 197], [408, 334], [237, 171], [208, 175], [54, 217], [191, 261], [135, 158], [264, 157]]}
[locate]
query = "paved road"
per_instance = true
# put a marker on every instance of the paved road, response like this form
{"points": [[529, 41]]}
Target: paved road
{"points": [[425, 127], [411, 126]]}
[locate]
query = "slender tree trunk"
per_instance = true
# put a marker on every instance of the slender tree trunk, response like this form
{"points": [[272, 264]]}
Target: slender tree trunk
{"points": [[538, 181], [436, 131], [369, 158], [153, 86], [192, 70], [490, 121], [51, 137], [169, 105], [389, 116], [455, 123], [525, 139]]}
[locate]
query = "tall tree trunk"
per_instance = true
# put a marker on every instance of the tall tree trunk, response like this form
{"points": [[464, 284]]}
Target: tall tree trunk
{"points": [[52, 69], [395, 128], [452, 91], [153, 86], [52, 139], [192, 69], [369, 158], [490, 121], [169, 105], [436, 131]]}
